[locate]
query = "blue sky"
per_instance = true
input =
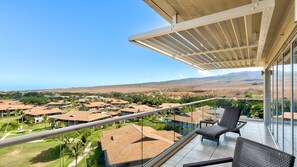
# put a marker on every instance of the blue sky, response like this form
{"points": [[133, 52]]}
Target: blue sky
{"points": [[77, 43]]}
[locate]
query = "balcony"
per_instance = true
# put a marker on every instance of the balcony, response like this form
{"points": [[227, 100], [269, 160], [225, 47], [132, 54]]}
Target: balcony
{"points": [[160, 137], [195, 150]]}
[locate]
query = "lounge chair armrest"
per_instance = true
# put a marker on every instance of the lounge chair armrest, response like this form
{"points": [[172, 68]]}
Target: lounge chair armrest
{"points": [[241, 124], [209, 162]]}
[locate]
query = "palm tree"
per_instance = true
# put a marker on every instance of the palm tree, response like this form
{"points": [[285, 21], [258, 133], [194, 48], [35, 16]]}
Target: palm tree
{"points": [[30, 121], [76, 148], [17, 113], [8, 114], [22, 115], [45, 119]]}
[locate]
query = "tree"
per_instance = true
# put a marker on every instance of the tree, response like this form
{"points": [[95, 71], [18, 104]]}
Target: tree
{"points": [[248, 94], [8, 114], [45, 119], [76, 148], [17, 113], [30, 121], [22, 115]]}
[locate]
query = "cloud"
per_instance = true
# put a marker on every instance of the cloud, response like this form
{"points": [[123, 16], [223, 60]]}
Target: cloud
{"points": [[181, 76], [205, 73]]}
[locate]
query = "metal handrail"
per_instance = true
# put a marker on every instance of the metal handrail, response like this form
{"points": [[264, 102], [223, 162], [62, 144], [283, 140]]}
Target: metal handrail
{"points": [[54, 132]]}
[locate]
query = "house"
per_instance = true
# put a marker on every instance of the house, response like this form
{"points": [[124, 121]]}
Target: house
{"points": [[96, 105], [119, 103], [78, 117], [113, 114], [37, 113], [115, 109], [124, 146], [133, 108], [10, 107], [185, 122], [166, 105], [59, 104], [116, 102], [82, 101]]}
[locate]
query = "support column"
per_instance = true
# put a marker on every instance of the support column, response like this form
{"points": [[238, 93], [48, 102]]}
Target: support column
{"points": [[267, 97]]}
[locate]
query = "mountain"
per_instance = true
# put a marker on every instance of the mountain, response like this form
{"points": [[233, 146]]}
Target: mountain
{"points": [[232, 83], [238, 76]]}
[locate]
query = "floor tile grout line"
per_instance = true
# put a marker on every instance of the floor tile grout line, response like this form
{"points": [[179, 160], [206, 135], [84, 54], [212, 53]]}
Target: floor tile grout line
{"points": [[187, 153]]}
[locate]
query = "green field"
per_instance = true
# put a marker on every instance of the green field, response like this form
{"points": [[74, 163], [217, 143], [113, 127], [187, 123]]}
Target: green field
{"points": [[34, 128], [45, 153]]}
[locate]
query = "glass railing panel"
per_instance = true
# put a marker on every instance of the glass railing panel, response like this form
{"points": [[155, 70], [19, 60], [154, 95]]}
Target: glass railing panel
{"points": [[130, 142]]}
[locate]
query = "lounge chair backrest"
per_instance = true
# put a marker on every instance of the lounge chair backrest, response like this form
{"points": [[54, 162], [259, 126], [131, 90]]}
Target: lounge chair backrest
{"points": [[250, 153], [230, 117]]}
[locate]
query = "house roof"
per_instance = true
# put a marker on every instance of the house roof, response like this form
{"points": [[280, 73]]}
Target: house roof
{"points": [[60, 102], [137, 108], [124, 144], [115, 101], [215, 34], [41, 110], [13, 105], [190, 117], [119, 102], [166, 105], [114, 109], [84, 116], [112, 113], [96, 104]]}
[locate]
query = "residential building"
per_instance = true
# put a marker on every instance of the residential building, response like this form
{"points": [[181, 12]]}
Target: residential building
{"points": [[112, 113], [78, 117], [96, 105], [38, 113], [123, 146], [185, 122], [60, 104], [84, 100], [115, 109], [216, 35], [166, 105], [117, 102], [10, 107], [133, 108]]}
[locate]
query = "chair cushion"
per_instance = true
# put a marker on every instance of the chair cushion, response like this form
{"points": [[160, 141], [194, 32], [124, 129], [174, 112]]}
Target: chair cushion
{"points": [[212, 131]]}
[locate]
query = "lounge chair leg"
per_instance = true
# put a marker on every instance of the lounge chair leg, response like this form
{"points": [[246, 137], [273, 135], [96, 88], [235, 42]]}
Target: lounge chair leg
{"points": [[202, 138], [239, 133]]}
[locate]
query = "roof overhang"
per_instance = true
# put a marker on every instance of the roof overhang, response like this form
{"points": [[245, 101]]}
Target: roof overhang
{"points": [[233, 38]]}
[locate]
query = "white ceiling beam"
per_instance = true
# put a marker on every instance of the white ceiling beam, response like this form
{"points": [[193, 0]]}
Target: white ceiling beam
{"points": [[248, 32], [220, 50], [236, 30], [161, 44], [205, 20], [265, 23], [191, 38], [227, 61], [224, 28], [204, 39], [213, 36]]}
